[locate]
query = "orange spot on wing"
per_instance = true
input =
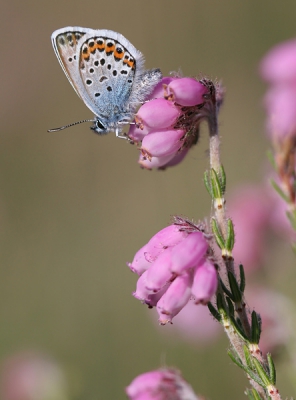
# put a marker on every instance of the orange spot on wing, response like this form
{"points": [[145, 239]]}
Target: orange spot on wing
{"points": [[118, 55], [108, 49], [100, 46]]}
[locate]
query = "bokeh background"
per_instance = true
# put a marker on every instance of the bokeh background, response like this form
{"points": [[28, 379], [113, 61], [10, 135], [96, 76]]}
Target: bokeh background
{"points": [[74, 207]]}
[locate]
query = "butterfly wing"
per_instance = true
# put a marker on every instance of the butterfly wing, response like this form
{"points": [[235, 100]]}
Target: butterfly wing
{"points": [[101, 65]]}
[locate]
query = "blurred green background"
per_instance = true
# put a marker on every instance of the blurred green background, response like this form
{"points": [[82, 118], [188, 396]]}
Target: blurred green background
{"points": [[74, 207]]}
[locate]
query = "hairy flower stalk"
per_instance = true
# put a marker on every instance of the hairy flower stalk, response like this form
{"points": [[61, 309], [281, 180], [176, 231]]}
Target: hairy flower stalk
{"points": [[243, 333]]}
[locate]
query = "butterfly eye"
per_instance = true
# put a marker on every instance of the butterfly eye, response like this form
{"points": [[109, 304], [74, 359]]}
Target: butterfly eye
{"points": [[99, 125]]}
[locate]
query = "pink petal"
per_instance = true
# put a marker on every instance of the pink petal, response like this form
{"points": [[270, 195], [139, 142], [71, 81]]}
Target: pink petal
{"points": [[188, 253]]}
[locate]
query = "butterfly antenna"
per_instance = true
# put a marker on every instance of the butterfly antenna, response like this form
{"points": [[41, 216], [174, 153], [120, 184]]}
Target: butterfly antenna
{"points": [[68, 126]]}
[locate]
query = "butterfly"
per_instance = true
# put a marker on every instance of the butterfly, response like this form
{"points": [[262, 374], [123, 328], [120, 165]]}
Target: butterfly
{"points": [[107, 72]]}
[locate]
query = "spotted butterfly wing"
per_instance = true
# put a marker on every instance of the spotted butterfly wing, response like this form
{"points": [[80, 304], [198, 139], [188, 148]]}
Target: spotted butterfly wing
{"points": [[102, 67]]}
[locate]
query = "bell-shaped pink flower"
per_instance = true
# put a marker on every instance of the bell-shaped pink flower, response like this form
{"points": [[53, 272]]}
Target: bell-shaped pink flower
{"points": [[162, 143], [178, 157], [187, 91], [137, 134], [158, 114], [160, 90], [160, 272], [161, 384], [173, 254], [175, 298], [139, 263], [205, 283], [279, 65], [155, 162], [188, 253], [166, 237], [142, 292]]}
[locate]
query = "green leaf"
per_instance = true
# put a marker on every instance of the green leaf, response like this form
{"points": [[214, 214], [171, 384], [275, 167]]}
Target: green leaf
{"points": [[238, 328], [242, 284], [230, 307], [239, 363], [248, 357], [272, 371], [217, 233], [256, 327], [280, 191], [234, 287], [292, 218], [207, 183], [261, 372], [221, 306], [216, 186], [225, 290], [222, 179], [214, 312], [253, 394], [230, 236], [235, 358]]}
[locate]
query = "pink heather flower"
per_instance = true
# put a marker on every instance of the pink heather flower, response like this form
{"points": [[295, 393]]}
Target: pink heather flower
{"points": [[175, 298], [163, 384], [187, 91], [205, 283], [137, 134], [279, 65], [176, 159], [139, 263], [158, 114], [30, 376], [155, 162], [167, 237], [279, 68], [160, 90], [162, 143], [189, 253], [159, 272], [167, 126], [176, 254]]}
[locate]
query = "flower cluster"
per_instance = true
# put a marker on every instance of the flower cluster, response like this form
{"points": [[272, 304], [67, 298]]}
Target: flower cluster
{"points": [[173, 267], [161, 384], [279, 69], [168, 125]]}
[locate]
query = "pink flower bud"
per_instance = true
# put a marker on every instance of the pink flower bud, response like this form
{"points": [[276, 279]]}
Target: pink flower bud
{"points": [[139, 263], [142, 293], [163, 384], [205, 283], [167, 237], [160, 89], [180, 155], [158, 114], [187, 91], [279, 65], [162, 143], [175, 298], [155, 162], [137, 134], [188, 253], [159, 273]]}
